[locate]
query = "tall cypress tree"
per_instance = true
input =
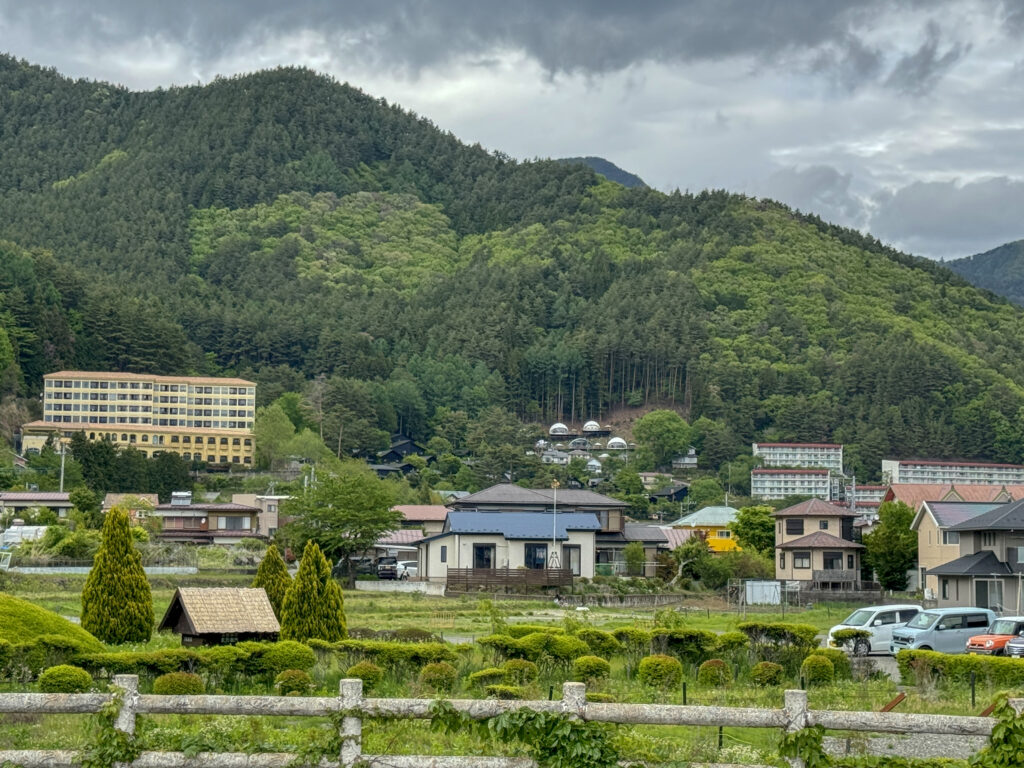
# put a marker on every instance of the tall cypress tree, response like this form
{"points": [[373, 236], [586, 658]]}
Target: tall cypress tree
{"points": [[313, 606], [117, 606], [273, 576]]}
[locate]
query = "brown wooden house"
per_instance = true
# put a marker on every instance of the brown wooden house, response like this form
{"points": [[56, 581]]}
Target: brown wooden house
{"points": [[220, 616]]}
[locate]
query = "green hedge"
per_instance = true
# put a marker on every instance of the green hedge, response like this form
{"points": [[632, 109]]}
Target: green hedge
{"points": [[692, 646], [601, 643], [488, 676], [537, 646], [998, 671], [499, 691], [521, 630], [387, 654], [779, 633]]}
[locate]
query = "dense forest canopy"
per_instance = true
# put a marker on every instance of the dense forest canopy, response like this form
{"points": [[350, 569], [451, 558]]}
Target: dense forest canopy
{"points": [[289, 229], [1000, 270]]}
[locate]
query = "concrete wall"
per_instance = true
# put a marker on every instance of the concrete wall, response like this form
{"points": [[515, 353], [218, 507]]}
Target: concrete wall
{"points": [[434, 589]]}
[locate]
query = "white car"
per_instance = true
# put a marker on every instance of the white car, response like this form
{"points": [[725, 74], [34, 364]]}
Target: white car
{"points": [[407, 569], [879, 621]]}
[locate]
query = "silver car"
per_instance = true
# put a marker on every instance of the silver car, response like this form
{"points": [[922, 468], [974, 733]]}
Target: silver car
{"points": [[879, 621], [942, 629]]}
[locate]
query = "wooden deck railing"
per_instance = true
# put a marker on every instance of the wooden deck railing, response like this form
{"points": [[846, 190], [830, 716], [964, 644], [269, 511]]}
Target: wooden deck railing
{"points": [[476, 579]]}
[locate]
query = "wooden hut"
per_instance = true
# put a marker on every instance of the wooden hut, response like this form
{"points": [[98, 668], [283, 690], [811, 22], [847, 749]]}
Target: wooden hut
{"points": [[220, 616]]}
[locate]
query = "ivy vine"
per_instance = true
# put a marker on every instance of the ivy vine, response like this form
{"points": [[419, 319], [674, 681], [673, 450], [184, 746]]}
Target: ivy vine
{"points": [[553, 740], [109, 745]]}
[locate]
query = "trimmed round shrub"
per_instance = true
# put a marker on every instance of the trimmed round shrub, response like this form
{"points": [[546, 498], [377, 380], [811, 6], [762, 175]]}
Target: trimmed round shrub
{"points": [[65, 678], [294, 682], [731, 641], [601, 643], [368, 672], [488, 676], [600, 698], [817, 670], [287, 654], [534, 645], [565, 648], [520, 671], [179, 684], [441, 676], [841, 665], [590, 668], [660, 671], [504, 691], [714, 673], [767, 673]]}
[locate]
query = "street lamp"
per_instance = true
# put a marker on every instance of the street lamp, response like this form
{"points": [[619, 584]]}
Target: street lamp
{"points": [[553, 561]]}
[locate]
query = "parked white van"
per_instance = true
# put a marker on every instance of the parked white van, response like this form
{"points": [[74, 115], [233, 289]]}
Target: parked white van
{"points": [[879, 620]]}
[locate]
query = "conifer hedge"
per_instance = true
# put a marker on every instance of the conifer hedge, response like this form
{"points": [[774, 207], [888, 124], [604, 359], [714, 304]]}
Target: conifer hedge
{"points": [[273, 577], [117, 606], [313, 606]]}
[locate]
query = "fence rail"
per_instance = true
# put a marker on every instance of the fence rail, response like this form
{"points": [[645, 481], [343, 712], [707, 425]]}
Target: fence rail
{"points": [[473, 579], [793, 716]]}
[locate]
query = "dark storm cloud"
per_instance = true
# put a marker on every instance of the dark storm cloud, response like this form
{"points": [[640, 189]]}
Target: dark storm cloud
{"points": [[916, 73], [589, 36]]}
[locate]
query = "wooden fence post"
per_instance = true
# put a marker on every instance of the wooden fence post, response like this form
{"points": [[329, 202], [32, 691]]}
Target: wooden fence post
{"points": [[125, 721], [574, 698], [795, 707], [350, 692]]}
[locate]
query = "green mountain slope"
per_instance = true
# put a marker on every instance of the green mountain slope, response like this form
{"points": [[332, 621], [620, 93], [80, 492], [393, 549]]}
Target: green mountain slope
{"points": [[608, 169], [1000, 270], [282, 226]]}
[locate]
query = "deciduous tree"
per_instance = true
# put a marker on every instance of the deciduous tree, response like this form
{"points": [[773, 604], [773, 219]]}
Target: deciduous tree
{"points": [[891, 548]]}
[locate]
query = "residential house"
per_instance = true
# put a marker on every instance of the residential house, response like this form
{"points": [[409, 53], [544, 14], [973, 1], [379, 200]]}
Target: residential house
{"points": [[401, 446], [505, 497], [814, 543], [220, 616], [269, 518], [653, 479], [16, 503], [554, 457], [687, 461], [674, 493], [428, 518], [653, 540], [990, 566], [207, 522], [712, 523], [937, 544], [138, 505], [508, 539]]}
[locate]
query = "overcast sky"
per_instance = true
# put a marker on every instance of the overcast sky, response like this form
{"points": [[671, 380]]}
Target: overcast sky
{"points": [[905, 119]]}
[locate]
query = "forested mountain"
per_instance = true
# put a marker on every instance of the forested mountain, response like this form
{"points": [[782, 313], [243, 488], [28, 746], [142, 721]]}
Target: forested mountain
{"points": [[287, 228], [1000, 270], [608, 169]]}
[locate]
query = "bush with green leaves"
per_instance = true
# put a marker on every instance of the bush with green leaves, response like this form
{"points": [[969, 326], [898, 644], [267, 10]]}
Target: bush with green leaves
{"points": [[817, 670], [486, 676], [502, 646], [498, 691], [179, 684], [998, 671], [660, 671], [600, 698], [689, 645], [287, 654], [714, 673], [840, 662], [731, 642], [414, 635], [767, 673], [117, 605], [440, 676], [779, 633], [587, 668], [565, 648], [520, 671], [600, 642], [388, 655], [368, 672], [65, 678], [273, 577], [294, 682], [633, 640], [522, 630], [313, 606]]}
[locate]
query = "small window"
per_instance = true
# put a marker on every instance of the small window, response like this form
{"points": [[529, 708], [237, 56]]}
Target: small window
{"points": [[849, 562], [801, 559], [794, 527], [988, 539], [977, 620], [725, 534], [823, 525], [444, 554], [782, 560], [951, 537], [889, 617], [945, 589]]}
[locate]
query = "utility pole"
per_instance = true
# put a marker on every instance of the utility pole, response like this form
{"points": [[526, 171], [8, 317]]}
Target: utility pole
{"points": [[63, 449]]}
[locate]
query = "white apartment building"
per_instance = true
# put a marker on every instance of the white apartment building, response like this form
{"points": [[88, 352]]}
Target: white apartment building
{"points": [[951, 472], [780, 483], [804, 455]]}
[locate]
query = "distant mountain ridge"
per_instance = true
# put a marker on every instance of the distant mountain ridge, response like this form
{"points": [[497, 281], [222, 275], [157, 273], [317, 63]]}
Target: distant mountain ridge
{"points": [[1000, 270], [609, 170]]}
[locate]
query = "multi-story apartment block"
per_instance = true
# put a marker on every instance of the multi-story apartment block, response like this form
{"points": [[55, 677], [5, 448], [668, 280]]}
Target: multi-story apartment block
{"points": [[780, 483], [804, 455], [200, 418], [947, 472]]}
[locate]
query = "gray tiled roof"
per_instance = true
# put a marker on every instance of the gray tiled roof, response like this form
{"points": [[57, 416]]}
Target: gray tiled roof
{"points": [[820, 540], [507, 493], [639, 532], [1005, 517], [983, 563], [521, 525], [948, 513]]}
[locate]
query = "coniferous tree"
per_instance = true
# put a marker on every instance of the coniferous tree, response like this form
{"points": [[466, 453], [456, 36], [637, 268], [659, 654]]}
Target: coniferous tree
{"points": [[117, 606], [273, 577], [313, 606]]}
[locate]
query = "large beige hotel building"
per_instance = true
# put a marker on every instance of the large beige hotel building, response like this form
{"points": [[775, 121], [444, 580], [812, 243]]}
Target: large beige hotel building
{"points": [[201, 418]]}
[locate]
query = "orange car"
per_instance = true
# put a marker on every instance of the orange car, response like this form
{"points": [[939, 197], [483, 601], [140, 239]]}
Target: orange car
{"points": [[993, 642]]}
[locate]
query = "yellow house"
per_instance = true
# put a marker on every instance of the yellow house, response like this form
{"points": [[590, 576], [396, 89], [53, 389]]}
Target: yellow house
{"points": [[713, 524]]}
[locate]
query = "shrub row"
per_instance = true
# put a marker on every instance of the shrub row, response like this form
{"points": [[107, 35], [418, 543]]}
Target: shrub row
{"points": [[222, 661], [537, 646], [385, 654], [998, 671]]}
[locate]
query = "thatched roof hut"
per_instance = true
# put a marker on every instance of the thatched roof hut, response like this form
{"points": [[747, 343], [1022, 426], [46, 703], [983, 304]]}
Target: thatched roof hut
{"points": [[220, 616]]}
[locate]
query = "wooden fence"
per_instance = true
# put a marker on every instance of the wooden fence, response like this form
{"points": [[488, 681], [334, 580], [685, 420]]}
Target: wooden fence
{"points": [[482, 579], [793, 717]]}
